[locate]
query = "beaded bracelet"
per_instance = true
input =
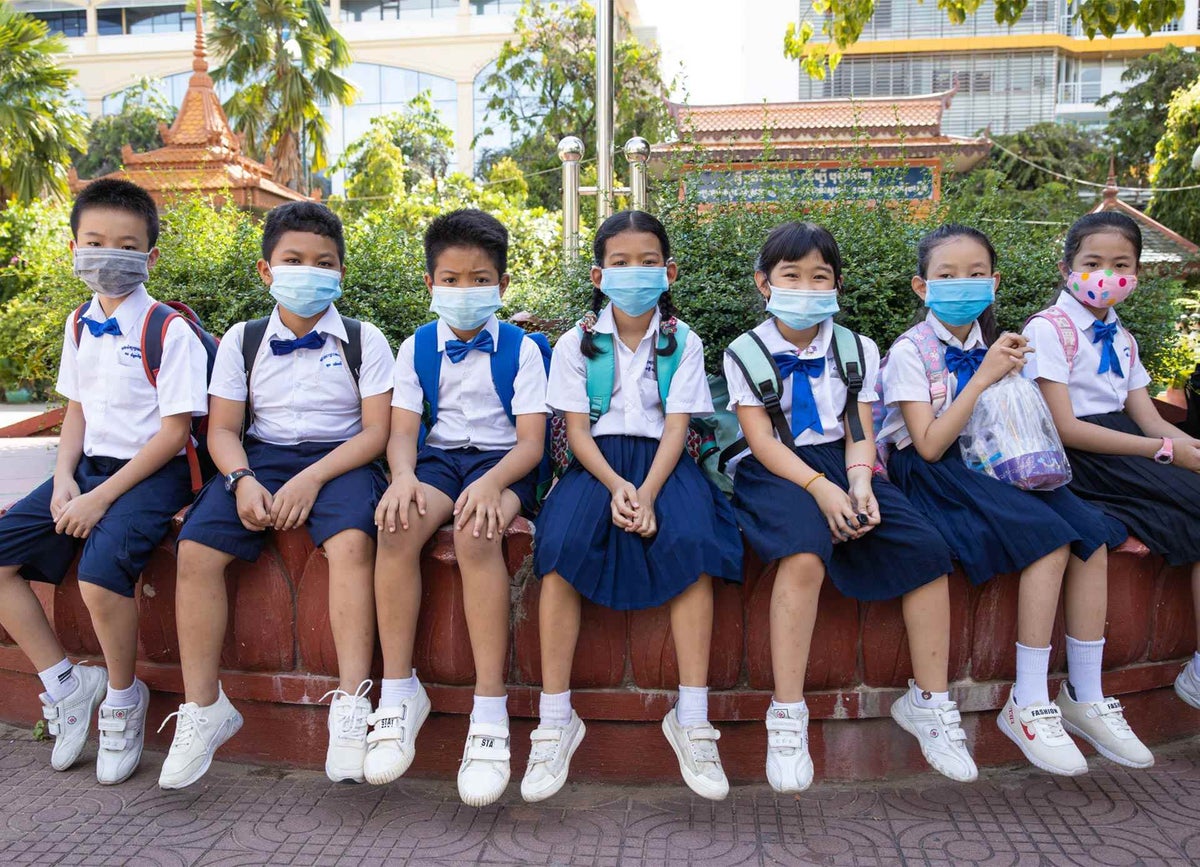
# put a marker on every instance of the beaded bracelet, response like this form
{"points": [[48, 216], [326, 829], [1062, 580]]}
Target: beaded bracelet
{"points": [[856, 466]]}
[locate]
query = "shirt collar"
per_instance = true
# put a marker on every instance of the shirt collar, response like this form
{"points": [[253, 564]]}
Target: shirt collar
{"points": [[129, 311], [330, 323], [818, 348], [1079, 314], [445, 333], [606, 324], [974, 339]]}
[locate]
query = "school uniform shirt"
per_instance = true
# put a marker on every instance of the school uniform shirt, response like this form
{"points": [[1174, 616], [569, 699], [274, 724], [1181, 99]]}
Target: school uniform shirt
{"points": [[904, 379], [636, 408], [1092, 393], [121, 409], [470, 414], [829, 391], [307, 395]]}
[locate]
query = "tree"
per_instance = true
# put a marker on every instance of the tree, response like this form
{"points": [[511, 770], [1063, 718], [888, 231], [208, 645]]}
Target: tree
{"points": [[1061, 147], [38, 125], [842, 23], [283, 56], [1137, 116], [137, 124], [544, 84], [1173, 165]]}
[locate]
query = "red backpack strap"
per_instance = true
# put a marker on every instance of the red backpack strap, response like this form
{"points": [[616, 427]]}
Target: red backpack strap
{"points": [[1064, 327], [77, 320], [933, 358], [1133, 347]]}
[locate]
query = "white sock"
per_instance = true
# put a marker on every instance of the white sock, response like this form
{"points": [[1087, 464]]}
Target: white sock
{"points": [[793, 709], [127, 697], [554, 708], [1084, 660], [490, 709], [59, 679], [1196, 664], [1033, 667], [692, 707], [935, 700], [395, 690]]}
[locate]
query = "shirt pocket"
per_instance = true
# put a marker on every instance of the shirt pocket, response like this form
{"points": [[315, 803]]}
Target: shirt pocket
{"points": [[333, 390]]}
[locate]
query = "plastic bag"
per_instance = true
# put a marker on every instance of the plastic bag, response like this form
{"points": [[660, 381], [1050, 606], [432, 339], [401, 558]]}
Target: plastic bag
{"points": [[1011, 437]]}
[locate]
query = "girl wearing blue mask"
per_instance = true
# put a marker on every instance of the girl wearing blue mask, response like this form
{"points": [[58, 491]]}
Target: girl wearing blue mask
{"points": [[933, 377], [633, 523], [806, 497]]}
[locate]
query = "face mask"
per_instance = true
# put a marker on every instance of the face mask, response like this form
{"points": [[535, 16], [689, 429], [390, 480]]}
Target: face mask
{"points": [[802, 308], [960, 301], [634, 289], [465, 309], [1101, 288], [114, 273], [303, 290]]}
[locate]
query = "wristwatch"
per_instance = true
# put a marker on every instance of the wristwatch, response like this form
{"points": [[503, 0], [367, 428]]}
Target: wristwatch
{"points": [[231, 480], [1166, 455]]}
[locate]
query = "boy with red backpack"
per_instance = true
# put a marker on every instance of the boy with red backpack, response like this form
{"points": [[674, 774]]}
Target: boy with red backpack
{"points": [[122, 473]]}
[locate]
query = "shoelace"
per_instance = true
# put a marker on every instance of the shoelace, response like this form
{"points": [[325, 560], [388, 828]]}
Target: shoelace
{"points": [[1050, 726], [545, 745], [187, 725], [703, 743], [1112, 713], [349, 715]]}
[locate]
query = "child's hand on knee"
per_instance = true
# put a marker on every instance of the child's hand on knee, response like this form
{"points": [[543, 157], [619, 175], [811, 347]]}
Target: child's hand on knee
{"points": [[481, 499], [65, 490], [293, 502], [253, 504], [81, 514], [394, 506]]}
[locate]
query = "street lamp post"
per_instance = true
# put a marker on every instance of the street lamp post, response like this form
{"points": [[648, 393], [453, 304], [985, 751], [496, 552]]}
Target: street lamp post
{"points": [[570, 151]]}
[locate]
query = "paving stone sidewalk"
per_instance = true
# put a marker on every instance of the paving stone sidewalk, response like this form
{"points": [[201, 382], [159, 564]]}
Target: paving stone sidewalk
{"points": [[245, 815]]}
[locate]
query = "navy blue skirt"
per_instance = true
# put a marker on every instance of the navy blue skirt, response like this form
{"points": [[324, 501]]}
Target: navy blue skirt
{"points": [[779, 519], [992, 527], [697, 532], [1160, 504]]}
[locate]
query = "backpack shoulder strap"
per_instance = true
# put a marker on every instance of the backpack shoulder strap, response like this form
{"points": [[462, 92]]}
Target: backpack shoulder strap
{"points": [[754, 360], [77, 320], [665, 366], [506, 362], [1064, 326], [154, 336], [601, 374], [851, 362], [933, 358], [428, 363], [252, 338], [353, 346]]}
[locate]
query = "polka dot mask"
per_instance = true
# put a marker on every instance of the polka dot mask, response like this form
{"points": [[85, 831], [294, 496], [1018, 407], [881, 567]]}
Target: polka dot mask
{"points": [[1101, 288]]}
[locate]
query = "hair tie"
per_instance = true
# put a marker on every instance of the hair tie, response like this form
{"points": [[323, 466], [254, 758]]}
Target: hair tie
{"points": [[588, 322], [668, 327]]}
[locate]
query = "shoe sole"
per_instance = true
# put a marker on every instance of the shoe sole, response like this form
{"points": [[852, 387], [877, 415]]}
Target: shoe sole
{"points": [[1034, 760], [392, 774], [558, 782], [208, 759], [1184, 697], [1103, 750], [904, 724], [93, 706], [490, 797], [697, 784]]}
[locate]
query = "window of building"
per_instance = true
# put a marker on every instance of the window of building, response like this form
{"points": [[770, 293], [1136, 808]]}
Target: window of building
{"points": [[159, 19], [66, 23], [391, 10], [494, 7]]}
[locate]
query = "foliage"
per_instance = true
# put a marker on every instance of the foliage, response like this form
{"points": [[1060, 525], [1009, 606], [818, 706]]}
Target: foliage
{"points": [[842, 23], [1173, 165], [1061, 147], [544, 83], [283, 56], [136, 124], [38, 125]]}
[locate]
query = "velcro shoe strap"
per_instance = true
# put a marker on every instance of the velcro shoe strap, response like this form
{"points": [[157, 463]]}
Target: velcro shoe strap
{"points": [[956, 734], [784, 724], [392, 733], [487, 730], [54, 728], [397, 713], [951, 716], [111, 724], [546, 735], [487, 754], [50, 711], [1040, 712], [1111, 705], [703, 733], [107, 742]]}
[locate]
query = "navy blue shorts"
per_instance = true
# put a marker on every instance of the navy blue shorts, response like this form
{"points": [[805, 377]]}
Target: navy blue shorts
{"points": [[452, 470], [345, 503], [119, 546]]}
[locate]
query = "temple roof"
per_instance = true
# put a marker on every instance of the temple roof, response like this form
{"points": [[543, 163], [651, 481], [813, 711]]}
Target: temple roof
{"points": [[1160, 245]]}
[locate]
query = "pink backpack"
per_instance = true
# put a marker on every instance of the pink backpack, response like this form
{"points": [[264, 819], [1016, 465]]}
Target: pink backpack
{"points": [[933, 358], [1068, 334]]}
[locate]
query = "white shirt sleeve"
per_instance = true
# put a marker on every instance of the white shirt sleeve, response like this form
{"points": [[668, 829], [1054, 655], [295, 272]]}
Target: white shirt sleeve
{"points": [[375, 377], [904, 378], [689, 390], [740, 392], [566, 389], [406, 387], [183, 376], [229, 370], [1048, 360], [68, 365], [870, 386], [529, 390]]}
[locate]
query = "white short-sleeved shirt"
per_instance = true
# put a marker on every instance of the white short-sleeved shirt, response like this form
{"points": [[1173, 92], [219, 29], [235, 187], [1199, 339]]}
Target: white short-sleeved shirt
{"points": [[121, 409], [904, 379], [470, 414], [308, 395], [829, 391], [1091, 392], [636, 408]]}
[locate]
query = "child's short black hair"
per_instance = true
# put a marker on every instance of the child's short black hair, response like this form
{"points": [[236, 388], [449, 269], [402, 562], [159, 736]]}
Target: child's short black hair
{"points": [[467, 227], [792, 241], [302, 217], [122, 195], [948, 232]]}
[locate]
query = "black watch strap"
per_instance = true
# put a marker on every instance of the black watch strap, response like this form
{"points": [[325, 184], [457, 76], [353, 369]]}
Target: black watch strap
{"points": [[231, 480]]}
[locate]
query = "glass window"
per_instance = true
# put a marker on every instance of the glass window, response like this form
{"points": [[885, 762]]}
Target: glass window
{"points": [[110, 22], [159, 19], [66, 23]]}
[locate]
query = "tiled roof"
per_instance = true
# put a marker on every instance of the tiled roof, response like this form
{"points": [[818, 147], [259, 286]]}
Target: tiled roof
{"points": [[1159, 244]]}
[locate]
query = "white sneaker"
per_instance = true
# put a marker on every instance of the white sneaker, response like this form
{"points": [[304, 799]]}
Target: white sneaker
{"points": [[939, 732], [122, 733], [550, 758], [391, 745], [1187, 685], [199, 731], [69, 719], [483, 774], [696, 749], [1037, 730], [348, 714], [789, 765], [1102, 724]]}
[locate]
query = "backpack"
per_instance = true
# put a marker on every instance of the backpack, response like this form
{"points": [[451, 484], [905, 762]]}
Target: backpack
{"points": [[1068, 334], [933, 359], [754, 360], [154, 334]]}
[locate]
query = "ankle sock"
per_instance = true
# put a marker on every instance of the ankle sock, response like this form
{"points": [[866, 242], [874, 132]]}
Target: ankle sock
{"points": [[1033, 667], [59, 679], [793, 709], [692, 707], [935, 700], [127, 697], [1084, 660], [491, 709], [395, 690], [554, 708]]}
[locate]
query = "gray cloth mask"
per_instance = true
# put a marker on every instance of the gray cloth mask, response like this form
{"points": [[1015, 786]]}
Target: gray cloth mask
{"points": [[111, 272]]}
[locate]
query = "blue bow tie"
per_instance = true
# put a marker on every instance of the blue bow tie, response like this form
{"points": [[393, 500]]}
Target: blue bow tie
{"points": [[1105, 332], [457, 350], [804, 406], [108, 326], [312, 340], [963, 364]]}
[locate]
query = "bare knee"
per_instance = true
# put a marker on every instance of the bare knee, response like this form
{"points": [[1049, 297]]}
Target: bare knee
{"points": [[350, 548], [198, 563], [473, 550], [10, 575], [801, 571], [101, 601], [402, 542]]}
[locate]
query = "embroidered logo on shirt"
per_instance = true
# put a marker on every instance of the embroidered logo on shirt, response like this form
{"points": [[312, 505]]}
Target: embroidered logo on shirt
{"points": [[332, 359], [131, 351]]}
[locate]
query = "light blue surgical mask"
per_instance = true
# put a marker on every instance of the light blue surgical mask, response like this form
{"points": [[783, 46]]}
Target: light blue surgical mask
{"points": [[959, 301], [304, 290], [634, 289], [465, 309], [802, 308]]}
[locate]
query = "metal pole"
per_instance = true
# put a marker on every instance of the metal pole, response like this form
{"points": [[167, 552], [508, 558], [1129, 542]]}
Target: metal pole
{"points": [[570, 151], [604, 109], [637, 151]]}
